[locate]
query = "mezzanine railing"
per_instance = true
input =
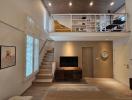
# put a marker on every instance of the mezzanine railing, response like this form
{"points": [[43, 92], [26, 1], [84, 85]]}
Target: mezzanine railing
{"points": [[90, 22]]}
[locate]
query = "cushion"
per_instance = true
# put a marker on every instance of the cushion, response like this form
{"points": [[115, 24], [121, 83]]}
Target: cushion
{"points": [[21, 98]]}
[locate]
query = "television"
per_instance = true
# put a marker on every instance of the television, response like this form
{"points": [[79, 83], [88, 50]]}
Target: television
{"points": [[66, 61]]}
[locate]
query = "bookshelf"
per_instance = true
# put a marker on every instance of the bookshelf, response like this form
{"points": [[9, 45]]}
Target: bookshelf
{"points": [[83, 23]]}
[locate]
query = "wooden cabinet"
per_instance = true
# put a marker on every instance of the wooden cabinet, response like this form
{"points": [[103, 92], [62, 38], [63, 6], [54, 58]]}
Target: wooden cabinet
{"points": [[68, 74]]}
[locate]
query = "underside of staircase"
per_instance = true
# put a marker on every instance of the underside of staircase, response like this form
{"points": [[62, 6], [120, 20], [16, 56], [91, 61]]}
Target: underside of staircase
{"points": [[44, 75]]}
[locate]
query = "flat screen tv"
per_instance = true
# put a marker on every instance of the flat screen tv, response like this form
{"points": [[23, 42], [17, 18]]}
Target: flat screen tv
{"points": [[66, 61]]}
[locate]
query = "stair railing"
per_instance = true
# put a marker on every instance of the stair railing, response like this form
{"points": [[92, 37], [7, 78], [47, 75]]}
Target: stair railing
{"points": [[43, 50], [43, 46]]}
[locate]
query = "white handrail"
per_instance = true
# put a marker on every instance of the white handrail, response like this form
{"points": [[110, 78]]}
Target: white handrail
{"points": [[45, 47], [92, 14]]}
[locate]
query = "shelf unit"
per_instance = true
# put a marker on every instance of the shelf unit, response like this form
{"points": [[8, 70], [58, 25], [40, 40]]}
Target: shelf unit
{"points": [[91, 23], [83, 23]]}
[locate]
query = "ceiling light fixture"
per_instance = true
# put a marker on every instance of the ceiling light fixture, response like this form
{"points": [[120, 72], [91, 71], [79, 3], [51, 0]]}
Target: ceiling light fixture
{"points": [[112, 3], [91, 3], [70, 4], [50, 4], [107, 39]]}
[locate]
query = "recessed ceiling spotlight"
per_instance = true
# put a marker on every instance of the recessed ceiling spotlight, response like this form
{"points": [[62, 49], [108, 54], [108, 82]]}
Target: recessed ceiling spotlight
{"points": [[112, 3], [107, 39], [91, 3], [50, 4], [70, 4]]}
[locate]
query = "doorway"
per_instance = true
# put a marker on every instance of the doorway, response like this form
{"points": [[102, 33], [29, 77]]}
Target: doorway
{"points": [[87, 62]]}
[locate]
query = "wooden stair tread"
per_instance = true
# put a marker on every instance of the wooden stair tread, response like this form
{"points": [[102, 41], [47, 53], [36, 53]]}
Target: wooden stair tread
{"points": [[45, 69], [43, 80], [44, 74]]}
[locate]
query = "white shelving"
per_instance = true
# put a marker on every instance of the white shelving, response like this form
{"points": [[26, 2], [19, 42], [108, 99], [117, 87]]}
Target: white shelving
{"points": [[83, 23], [92, 23]]}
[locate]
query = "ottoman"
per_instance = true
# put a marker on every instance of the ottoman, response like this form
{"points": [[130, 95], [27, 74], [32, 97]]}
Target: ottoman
{"points": [[21, 98]]}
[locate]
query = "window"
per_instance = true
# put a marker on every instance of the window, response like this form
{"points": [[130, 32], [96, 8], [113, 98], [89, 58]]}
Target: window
{"points": [[36, 55], [29, 55], [46, 21]]}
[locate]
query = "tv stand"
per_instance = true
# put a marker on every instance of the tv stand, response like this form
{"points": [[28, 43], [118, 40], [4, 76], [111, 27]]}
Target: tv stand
{"points": [[68, 74]]}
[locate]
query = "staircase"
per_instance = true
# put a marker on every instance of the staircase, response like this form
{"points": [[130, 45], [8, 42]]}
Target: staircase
{"points": [[45, 73]]}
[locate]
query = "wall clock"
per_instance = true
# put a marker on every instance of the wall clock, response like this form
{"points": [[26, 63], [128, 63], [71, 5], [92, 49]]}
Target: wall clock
{"points": [[104, 55]]}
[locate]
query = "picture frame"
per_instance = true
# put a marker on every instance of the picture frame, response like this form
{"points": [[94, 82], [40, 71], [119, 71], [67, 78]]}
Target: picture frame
{"points": [[7, 56]]}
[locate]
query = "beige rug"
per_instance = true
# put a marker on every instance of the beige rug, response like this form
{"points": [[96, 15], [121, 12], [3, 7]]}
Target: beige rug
{"points": [[73, 87], [82, 95], [79, 92], [75, 92]]}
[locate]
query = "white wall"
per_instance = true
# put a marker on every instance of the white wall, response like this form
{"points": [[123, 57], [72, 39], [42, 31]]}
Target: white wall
{"points": [[12, 79], [15, 12], [121, 10], [123, 52], [129, 11], [120, 58]]}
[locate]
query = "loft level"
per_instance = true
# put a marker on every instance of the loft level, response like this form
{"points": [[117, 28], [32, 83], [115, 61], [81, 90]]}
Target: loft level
{"points": [[89, 22]]}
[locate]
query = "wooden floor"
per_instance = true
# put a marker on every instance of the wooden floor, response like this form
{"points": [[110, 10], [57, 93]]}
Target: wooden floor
{"points": [[88, 89]]}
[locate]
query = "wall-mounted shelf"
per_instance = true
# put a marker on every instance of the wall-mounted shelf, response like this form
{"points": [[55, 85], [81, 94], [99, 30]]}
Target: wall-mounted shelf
{"points": [[83, 23]]}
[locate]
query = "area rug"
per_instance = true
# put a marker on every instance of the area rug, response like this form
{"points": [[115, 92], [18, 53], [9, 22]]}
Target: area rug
{"points": [[73, 87], [79, 92], [77, 95]]}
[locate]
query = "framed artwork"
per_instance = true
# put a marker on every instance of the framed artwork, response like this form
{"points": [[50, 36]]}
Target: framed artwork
{"points": [[7, 56]]}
